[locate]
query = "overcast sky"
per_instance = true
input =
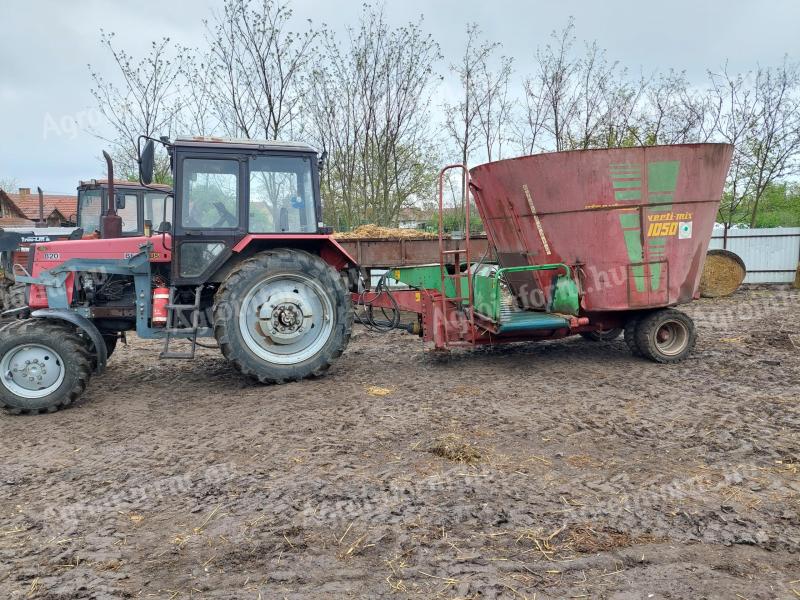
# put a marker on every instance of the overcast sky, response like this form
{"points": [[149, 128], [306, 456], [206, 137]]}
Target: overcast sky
{"points": [[46, 45]]}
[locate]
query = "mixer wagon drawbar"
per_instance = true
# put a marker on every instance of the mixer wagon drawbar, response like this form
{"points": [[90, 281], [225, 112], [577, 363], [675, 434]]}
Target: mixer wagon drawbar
{"points": [[591, 242]]}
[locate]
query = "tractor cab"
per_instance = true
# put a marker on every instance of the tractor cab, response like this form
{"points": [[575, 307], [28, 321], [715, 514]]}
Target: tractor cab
{"points": [[229, 190], [134, 203]]}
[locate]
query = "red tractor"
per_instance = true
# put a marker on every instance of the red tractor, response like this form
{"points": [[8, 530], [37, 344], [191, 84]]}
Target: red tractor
{"points": [[134, 203], [241, 255]]}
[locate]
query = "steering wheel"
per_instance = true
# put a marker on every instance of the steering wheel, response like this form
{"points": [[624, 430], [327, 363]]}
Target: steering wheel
{"points": [[226, 217]]}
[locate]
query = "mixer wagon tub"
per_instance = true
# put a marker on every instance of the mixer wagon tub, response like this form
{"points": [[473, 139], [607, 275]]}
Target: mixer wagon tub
{"points": [[590, 242]]}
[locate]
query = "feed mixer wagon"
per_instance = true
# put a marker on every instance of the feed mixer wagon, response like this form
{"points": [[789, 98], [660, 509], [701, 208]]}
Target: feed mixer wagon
{"points": [[589, 242]]}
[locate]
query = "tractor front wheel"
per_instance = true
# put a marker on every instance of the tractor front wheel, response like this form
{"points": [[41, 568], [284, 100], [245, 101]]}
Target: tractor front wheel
{"points": [[666, 336], [44, 366], [12, 296], [283, 315]]}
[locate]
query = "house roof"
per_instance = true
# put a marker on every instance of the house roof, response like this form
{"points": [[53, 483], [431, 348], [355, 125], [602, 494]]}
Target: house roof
{"points": [[28, 204]]}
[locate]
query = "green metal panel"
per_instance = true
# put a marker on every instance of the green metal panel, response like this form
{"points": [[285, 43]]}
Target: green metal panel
{"points": [[486, 290], [485, 296], [565, 296], [530, 320], [427, 277]]}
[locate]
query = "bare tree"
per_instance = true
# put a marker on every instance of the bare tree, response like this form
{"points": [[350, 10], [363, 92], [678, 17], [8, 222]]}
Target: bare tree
{"points": [[529, 127], [144, 102], [370, 108], [759, 113], [199, 114], [258, 69], [624, 102], [463, 118], [555, 83], [494, 106], [775, 151], [736, 107], [481, 116], [8, 184], [675, 113]]}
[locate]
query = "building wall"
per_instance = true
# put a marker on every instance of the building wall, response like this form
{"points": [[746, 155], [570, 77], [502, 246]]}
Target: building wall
{"points": [[9, 216], [770, 255]]}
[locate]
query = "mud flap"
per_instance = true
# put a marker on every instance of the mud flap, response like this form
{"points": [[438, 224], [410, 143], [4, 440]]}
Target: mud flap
{"points": [[82, 323]]}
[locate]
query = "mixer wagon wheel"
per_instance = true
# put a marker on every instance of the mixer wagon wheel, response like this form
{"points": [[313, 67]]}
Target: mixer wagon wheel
{"points": [[666, 336], [44, 366], [283, 315], [630, 336], [602, 335]]}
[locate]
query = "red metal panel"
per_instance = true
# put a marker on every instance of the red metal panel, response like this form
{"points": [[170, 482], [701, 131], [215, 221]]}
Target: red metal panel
{"points": [[619, 214], [383, 253], [330, 250]]}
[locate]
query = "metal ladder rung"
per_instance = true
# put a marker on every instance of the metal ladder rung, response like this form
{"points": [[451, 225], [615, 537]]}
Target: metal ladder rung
{"points": [[173, 310], [460, 251]]}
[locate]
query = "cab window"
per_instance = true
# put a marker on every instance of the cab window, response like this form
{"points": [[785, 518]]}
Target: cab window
{"points": [[90, 205], [129, 214], [281, 195], [210, 195], [158, 210]]}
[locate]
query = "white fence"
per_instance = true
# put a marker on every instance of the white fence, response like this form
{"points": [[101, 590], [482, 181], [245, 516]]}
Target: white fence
{"points": [[770, 255]]}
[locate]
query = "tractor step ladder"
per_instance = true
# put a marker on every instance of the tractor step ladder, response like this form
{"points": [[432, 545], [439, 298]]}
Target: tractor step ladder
{"points": [[461, 301], [174, 316]]}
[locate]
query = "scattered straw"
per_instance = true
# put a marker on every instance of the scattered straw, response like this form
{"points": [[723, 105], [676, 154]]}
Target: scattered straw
{"points": [[375, 232], [453, 447], [374, 390]]}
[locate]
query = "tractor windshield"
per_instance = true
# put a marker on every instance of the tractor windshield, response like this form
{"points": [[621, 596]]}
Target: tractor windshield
{"points": [[90, 203], [281, 195]]}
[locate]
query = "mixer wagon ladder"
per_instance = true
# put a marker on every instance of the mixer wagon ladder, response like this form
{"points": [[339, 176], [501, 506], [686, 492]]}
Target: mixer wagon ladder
{"points": [[458, 300]]}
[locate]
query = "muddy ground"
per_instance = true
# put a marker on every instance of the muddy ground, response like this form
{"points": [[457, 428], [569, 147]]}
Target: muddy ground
{"points": [[553, 470]]}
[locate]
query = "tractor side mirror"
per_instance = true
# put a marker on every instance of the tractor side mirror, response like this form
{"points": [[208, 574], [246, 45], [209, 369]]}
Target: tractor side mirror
{"points": [[147, 163], [322, 160], [119, 201]]}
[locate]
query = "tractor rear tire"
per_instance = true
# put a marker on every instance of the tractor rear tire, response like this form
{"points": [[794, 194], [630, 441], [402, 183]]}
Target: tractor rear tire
{"points": [[666, 336], [602, 335], [44, 366], [283, 315]]}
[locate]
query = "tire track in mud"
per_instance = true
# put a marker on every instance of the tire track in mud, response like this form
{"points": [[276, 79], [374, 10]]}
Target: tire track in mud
{"points": [[181, 476]]}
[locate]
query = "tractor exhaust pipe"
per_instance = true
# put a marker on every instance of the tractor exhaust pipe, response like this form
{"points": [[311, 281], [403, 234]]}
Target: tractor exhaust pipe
{"points": [[112, 222], [41, 222]]}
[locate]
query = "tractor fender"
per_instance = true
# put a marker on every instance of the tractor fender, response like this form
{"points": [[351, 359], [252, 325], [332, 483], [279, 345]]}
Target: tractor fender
{"points": [[325, 246], [83, 323]]}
